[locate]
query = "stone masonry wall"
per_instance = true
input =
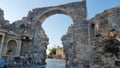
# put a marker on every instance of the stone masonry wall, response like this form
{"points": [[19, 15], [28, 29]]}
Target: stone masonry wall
{"points": [[87, 44], [3, 22], [77, 11], [105, 39], [77, 34]]}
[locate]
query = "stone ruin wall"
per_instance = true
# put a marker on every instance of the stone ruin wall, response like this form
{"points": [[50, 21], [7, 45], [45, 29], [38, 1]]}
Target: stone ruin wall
{"points": [[83, 42], [32, 25], [37, 17], [104, 39], [2, 20]]}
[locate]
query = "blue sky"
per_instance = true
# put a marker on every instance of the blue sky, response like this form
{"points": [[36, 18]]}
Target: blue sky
{"points": [[56, 25]]}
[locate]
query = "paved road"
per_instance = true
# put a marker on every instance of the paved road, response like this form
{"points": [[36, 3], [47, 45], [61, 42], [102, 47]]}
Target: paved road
{"points": [[51, 63], [55, 63]]}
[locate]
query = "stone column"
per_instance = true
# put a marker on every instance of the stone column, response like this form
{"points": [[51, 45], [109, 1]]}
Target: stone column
{"points": [[18, 49], [2, 42]]}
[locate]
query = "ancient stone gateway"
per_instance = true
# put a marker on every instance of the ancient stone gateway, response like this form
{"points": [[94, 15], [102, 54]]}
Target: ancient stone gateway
{"points": [[73, 41], [93, 43], [34, 40]]}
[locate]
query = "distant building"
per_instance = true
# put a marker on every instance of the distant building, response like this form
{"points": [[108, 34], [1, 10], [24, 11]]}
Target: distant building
{"points": [[60, 53]]}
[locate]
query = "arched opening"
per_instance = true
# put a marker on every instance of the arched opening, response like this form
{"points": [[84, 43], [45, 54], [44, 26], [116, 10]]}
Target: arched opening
{"points": [[55, 25], [91, 33], [50, 12], [92, 26], [11, 47]]}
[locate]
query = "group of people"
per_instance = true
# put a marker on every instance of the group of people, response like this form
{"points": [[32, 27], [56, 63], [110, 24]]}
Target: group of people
{"points": [[23, 60]]}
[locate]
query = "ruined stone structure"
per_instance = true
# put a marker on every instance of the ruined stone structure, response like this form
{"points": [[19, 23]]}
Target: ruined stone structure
{"points": [[104, 39], [83, 42], [60, 54]]}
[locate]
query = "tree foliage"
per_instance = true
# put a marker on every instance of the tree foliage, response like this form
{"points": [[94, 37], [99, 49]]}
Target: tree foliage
{"points": [[52, 51]]}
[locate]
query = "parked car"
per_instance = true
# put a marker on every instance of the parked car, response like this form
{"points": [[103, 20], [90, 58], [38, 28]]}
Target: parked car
{"points": [[2, 63]]}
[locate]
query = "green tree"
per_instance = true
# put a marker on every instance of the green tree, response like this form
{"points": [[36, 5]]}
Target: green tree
{"points": [[52, 51]]}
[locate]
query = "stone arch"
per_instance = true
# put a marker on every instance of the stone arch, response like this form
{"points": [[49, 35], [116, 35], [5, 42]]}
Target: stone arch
{"points": [[54, 11], [43, 16], [51, 12], [11, 47], [78, 13]]}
